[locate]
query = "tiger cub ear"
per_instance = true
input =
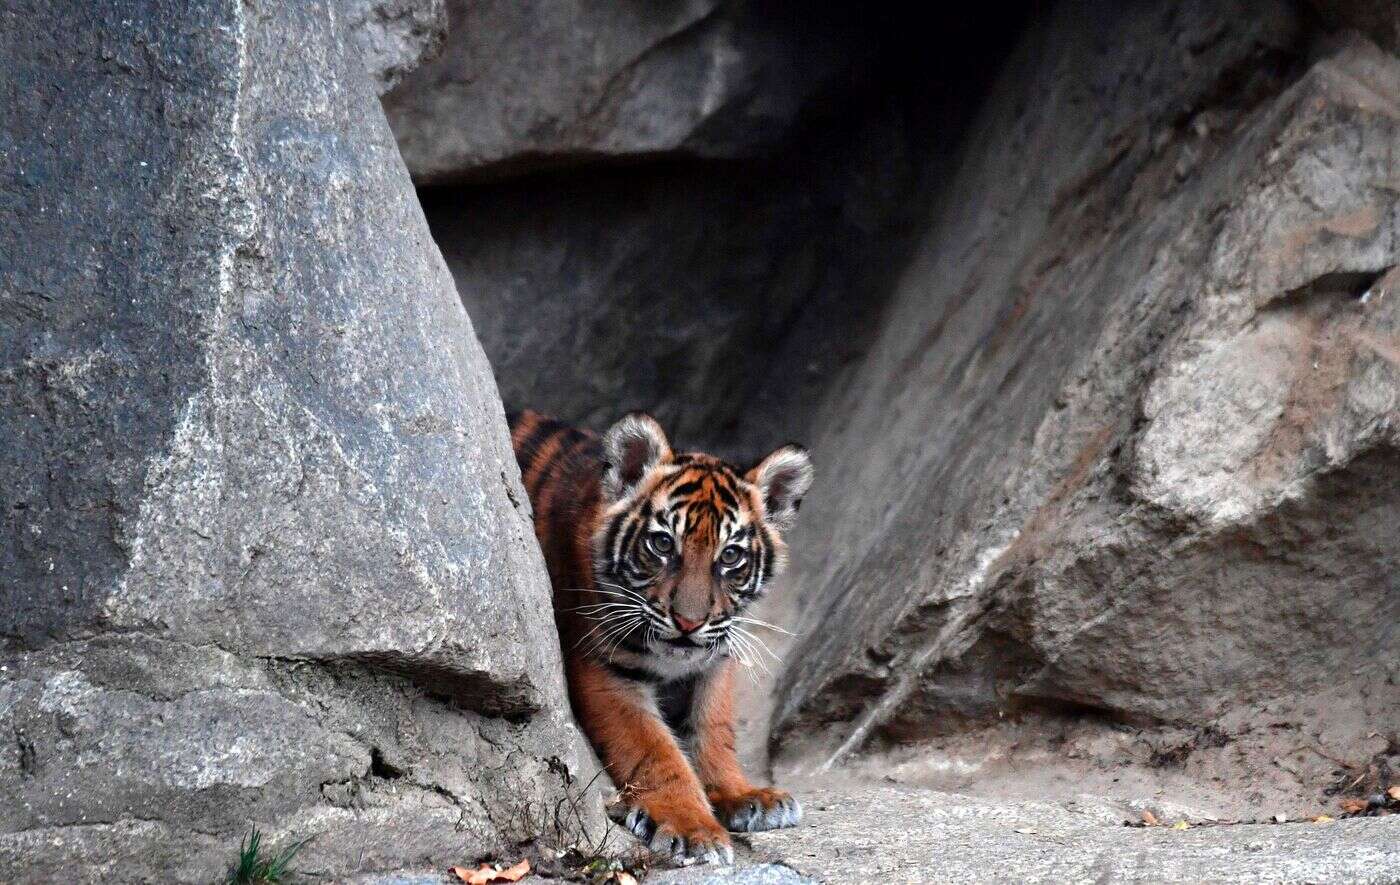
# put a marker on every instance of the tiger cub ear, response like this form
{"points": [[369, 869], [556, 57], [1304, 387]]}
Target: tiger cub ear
{"points": [[631, 447], [782, 479]]}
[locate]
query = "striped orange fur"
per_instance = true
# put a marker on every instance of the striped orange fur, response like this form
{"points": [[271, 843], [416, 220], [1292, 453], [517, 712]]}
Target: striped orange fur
{"points": [[653, 557]]}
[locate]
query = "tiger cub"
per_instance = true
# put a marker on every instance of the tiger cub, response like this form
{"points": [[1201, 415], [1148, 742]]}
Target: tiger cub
{"points": [[654, 556]]}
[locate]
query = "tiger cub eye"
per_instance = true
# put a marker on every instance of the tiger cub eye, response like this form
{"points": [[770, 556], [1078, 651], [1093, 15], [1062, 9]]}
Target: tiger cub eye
{"points": [[731, 555], [661, 543]]}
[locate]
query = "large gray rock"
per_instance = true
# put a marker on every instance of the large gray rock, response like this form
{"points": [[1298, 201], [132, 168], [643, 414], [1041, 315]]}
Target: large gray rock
{"points": [[547, 82], [266, 556], [1126, 443]]}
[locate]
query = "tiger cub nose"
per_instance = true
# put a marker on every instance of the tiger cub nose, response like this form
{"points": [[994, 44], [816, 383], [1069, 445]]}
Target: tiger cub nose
{"points": [[686, 625]]}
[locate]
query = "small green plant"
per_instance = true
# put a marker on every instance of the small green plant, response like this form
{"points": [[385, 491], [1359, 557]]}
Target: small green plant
{"points": [[256, 868]]}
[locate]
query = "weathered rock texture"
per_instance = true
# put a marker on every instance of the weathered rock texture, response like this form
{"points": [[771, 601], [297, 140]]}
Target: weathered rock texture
{"points": [[395, 36], [547, 82], [1127, 441], [265, 555]]}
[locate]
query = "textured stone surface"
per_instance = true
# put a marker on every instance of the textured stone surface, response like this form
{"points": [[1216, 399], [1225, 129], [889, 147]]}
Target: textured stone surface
{"points": [[546, 81], [1082, 469], [1126, 442], [757, 874], [863, 833], [264, 550], [395, 36]]}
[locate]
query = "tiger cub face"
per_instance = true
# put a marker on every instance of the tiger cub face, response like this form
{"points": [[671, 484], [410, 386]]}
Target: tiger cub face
{"points": [[688, 541]]}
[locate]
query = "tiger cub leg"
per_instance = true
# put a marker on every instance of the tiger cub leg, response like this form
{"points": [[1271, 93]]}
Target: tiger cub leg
{"points": [[662, 800], [739, 805]]}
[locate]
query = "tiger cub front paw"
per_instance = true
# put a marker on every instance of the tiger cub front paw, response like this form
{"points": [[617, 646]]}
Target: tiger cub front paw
{"points": [[763, 808], [684, 836]]}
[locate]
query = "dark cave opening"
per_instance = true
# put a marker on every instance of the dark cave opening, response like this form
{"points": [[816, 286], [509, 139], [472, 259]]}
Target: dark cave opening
{"points": [[723, 294]]}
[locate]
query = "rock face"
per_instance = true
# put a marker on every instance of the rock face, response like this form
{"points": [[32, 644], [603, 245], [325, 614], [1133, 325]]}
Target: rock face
{"points": [[266, 556], [660, 284], [543, 82], [1127, 441]]}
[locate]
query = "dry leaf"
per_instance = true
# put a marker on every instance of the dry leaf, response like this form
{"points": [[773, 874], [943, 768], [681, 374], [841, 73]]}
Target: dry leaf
{"points": [[1323, 819], [1394, 792], [1354, 806], [1150, 819], [1181, 825], [486, 874]]}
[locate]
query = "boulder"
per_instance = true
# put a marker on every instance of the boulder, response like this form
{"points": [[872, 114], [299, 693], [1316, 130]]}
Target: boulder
{"points": [[267, 560], [551, 82], [1125, 445]]}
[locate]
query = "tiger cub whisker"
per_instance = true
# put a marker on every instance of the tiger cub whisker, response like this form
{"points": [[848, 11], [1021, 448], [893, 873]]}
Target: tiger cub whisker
{"points": [[757, 642], [771, 626], [605, 625]]}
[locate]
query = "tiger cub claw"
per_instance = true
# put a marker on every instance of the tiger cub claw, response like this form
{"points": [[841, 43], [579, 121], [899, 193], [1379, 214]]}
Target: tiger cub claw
{"points": [[697, 846], [766, 808]]}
